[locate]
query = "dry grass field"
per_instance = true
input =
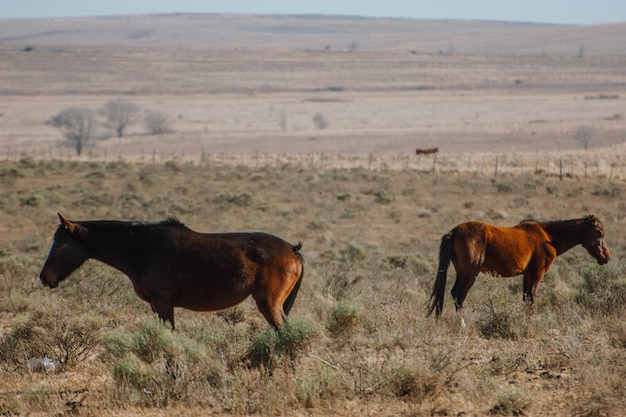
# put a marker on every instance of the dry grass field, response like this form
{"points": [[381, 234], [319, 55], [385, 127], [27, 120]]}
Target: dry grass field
{"points": [[244, 97]]}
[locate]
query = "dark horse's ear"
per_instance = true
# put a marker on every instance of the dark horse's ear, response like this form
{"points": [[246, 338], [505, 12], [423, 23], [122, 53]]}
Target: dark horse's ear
{"points": [[67, 224]]}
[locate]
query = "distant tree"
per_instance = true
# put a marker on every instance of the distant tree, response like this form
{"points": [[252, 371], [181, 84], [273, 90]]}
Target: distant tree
{"points": [[320, 121], [157, 123], [120, 114], [585, 135], [77, 124]]}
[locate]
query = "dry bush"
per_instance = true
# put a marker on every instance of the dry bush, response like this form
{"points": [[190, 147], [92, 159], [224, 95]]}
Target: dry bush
{"points": [[68, 341], [603, 290]]}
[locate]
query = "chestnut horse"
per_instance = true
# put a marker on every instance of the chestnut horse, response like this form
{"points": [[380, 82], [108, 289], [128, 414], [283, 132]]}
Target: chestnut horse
{"points": [[528, 248], [171, 266]]}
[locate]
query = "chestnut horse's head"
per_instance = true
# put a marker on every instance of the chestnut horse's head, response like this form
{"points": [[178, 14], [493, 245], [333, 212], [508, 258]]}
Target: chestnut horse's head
{"points": [[65, 256], [593, 240]]}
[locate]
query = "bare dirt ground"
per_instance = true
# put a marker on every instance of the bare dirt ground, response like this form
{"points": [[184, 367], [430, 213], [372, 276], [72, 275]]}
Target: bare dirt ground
{"points": [[256, 85]]}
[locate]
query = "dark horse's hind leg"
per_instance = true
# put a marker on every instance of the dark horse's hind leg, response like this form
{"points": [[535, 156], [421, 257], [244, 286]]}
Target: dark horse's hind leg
{"points": [[461, 287], [271, 309]]}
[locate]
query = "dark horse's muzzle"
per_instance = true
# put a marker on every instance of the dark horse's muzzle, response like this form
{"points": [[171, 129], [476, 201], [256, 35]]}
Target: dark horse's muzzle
{"points": [[47, 283]]}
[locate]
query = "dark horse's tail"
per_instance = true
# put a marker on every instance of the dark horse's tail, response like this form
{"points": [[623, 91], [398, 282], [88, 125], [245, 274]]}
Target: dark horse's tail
{"points": [[294, 292], [445, 253]]}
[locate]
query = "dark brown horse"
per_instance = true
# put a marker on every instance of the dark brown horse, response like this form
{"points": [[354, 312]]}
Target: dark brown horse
{"points": [[171, 266], [426, 151], [526, 249]]}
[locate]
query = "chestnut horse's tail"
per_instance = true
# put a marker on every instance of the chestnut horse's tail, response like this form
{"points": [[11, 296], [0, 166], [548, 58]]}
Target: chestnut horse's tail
{"points": [[445, 253], [294, 292]]}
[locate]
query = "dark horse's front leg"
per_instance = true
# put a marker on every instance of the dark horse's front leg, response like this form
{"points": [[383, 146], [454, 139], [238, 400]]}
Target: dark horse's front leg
{"points": [[164, 309]]}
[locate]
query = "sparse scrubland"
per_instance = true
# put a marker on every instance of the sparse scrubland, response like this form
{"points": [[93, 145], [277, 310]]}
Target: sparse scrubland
{"points": [[279, 123], [358, 341]]}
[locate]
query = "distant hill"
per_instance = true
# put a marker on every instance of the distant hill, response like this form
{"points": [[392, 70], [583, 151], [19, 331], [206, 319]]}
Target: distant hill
{"points": [[314, 32]]}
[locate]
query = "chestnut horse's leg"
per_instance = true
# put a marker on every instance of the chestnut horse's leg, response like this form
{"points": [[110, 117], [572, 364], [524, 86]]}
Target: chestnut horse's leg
{"points": [[531, 284], [461, 287]]}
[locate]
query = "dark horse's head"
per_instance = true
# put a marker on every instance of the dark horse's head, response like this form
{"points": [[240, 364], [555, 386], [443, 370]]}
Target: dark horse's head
{"points": [[593, 240], [65, 256]]}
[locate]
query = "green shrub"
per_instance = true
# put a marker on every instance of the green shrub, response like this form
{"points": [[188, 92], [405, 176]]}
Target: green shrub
{"points": [[127, 372], [353, 252], [316, 386], [241, 200], [602, 290], [270, 346], [343, 318], [153, 364], [505, 187]]}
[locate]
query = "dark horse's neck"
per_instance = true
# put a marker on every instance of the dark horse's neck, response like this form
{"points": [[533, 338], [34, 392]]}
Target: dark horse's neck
{"points": [[565, 234], [123, 244]]}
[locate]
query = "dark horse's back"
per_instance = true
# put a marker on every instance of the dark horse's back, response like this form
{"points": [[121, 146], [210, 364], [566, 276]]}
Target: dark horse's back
{"points": [[229, 267]]}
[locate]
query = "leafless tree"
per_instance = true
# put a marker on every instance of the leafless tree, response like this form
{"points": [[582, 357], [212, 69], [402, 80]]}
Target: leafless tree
{"points": [[157, 123], [320, 121], [119, 114], [585, 135], [77, 124]]}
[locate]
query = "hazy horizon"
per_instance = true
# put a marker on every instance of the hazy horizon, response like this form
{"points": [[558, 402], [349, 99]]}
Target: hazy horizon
{"points": [[531, 11]]}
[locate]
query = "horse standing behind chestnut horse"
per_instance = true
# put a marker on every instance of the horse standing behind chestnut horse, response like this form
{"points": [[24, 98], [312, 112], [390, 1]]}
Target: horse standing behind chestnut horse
{"points": [[426, 151], [528, 248], [171, 266]]}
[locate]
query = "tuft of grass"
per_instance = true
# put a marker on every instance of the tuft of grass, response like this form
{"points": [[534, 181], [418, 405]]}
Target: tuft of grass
{"points": [[127, 372], [292, 339], [505, 187], [353, 252], [343, 318], [153, 365], [241, 200], [511, 403], [316, 387], [409, 379]]}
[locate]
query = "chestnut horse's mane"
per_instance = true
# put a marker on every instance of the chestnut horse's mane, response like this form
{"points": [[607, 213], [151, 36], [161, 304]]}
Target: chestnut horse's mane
{"points": [[555, 222]]}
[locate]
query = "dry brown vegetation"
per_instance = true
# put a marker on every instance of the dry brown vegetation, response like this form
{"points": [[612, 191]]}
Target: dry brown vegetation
{"points": [[245, 152], [359, 340]]}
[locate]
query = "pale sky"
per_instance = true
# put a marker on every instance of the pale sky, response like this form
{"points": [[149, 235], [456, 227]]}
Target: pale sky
{"points": [[536, 11]]}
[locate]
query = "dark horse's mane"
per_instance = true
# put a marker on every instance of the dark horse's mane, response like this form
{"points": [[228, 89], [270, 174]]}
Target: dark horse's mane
{"points": [[144, 234], [169, 222]]}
